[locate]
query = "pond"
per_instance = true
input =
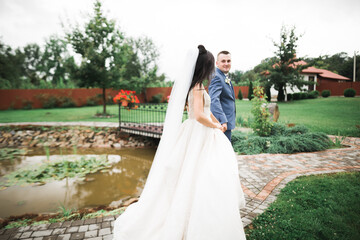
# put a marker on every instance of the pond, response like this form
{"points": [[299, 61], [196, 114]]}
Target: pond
{"points": [[125, 178]]}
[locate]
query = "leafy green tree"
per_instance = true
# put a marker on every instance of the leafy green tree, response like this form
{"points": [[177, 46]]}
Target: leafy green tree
{"points": [[104, 52], [236, 77], [11, 67], [141, 67], [57, 66], [32, 58], [286, 72]]}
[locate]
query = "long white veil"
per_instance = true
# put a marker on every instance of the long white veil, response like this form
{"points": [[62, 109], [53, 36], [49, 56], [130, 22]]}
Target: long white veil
{"points": [[174, 113]]}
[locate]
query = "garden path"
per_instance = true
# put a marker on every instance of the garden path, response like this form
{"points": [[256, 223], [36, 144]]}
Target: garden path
{"points": [[262, 177]]}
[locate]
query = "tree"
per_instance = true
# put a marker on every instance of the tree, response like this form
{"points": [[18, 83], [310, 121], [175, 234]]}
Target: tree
{"points": [[104, 52], [11, 67], [141, 67], [251, 91], [286, 72], [32, 57], [236, 77], [57, 66]]}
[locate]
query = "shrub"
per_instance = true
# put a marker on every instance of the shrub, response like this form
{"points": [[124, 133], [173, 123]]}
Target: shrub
{"points": [[247, 122], [94, 100], [268, 93], [325, 93], [66, 102], [313, 94], [90, 102], [51, 102], [278, 129], [304, 95], [296, 96], [281, 140], [27, 105], [156, 98], [262, 124], [349, 92], [240, 96], [251, 91], [290, 97]]}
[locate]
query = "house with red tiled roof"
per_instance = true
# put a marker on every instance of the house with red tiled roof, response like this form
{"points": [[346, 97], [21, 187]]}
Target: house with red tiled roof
{"points": [[322, 78]]}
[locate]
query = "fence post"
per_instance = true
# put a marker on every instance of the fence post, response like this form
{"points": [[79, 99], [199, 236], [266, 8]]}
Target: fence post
{"points": [[119, 117]]}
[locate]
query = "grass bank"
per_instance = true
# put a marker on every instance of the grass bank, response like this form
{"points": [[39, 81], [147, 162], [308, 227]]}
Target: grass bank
{"points": [[312, 207]]}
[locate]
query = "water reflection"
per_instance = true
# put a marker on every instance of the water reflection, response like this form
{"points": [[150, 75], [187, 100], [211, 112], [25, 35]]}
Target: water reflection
{"points": [[126, 178]]}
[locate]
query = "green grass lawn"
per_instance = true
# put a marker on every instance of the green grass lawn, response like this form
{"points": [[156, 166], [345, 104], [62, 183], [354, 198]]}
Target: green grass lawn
{"points": [[334, 115], [312, 207], [59, 114]]}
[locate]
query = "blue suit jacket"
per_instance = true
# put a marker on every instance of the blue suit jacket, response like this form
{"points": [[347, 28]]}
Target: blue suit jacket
{"points": [[222, 100]]}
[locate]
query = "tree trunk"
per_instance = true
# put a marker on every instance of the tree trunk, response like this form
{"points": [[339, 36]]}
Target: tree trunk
{"points": [[104, 101]]}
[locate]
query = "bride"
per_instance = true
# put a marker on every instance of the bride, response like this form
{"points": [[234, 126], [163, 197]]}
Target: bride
{"points": [[193, 190]]}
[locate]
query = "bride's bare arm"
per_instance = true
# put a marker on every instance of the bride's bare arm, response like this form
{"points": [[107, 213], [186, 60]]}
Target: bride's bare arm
{"points": [[213, 118], [199, 109]]}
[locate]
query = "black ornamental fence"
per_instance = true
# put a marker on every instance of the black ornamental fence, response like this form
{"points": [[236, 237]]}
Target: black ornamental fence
{"points": [[146, 119]]}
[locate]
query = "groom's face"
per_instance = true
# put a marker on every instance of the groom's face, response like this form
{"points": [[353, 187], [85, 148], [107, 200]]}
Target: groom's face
{"points": [[223, 62]]}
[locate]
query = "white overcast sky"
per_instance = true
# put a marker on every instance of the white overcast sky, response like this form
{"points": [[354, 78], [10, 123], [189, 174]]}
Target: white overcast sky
{"points": [[245, 28]]}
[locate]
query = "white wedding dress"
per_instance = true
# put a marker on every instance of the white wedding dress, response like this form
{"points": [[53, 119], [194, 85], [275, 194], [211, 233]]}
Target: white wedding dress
{"points": [[196, 196]]}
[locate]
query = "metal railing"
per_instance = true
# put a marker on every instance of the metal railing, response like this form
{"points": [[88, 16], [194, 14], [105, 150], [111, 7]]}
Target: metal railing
{"points": [[145, 119]]}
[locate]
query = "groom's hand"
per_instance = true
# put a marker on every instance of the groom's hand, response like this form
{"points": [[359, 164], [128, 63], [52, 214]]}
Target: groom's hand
{"points": [[224, 125]]}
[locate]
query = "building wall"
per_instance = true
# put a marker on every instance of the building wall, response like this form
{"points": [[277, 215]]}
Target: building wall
{"points": [[18, 98]]}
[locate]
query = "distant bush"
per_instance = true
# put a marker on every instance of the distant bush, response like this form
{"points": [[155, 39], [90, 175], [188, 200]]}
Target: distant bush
{"points": [[251, 91], [313, 94], [50, 103], [156, 98], [27, 105], [240, 96], [297, 96], [66, 102], [349, 92], [290, 97], [281, 140], [304, 95], [325, 93], [47, 100], [94, 100]]}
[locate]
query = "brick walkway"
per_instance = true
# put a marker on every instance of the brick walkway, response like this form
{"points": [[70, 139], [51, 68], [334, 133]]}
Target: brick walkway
{"points": [[262, 176]]}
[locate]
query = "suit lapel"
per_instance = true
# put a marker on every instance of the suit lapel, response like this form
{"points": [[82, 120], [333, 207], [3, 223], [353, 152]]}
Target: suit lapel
{"points": [[232, 93]]}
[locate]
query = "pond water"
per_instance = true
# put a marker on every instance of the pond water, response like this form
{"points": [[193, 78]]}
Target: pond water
{"points": [[125, 178]]}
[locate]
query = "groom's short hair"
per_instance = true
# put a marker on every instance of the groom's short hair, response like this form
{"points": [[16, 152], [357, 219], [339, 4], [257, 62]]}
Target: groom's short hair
{"points": [[223, 52]]}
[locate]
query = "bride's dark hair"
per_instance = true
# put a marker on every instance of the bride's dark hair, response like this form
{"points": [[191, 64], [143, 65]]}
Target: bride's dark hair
{"points": [[204, 67]]}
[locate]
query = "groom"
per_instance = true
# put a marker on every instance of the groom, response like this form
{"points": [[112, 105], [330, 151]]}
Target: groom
{"points": [[222, 94]]}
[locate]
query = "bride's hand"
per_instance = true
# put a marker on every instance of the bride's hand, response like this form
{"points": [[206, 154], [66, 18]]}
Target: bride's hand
{"points": [[218, 126]]}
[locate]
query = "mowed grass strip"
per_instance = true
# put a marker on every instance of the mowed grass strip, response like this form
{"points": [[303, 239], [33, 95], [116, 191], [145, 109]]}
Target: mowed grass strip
{"points": [[312, 207]]}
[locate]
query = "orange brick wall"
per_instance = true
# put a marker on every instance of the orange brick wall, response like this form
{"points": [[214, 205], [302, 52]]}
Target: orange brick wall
{"points": [[337, 88], [17, 98]]}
